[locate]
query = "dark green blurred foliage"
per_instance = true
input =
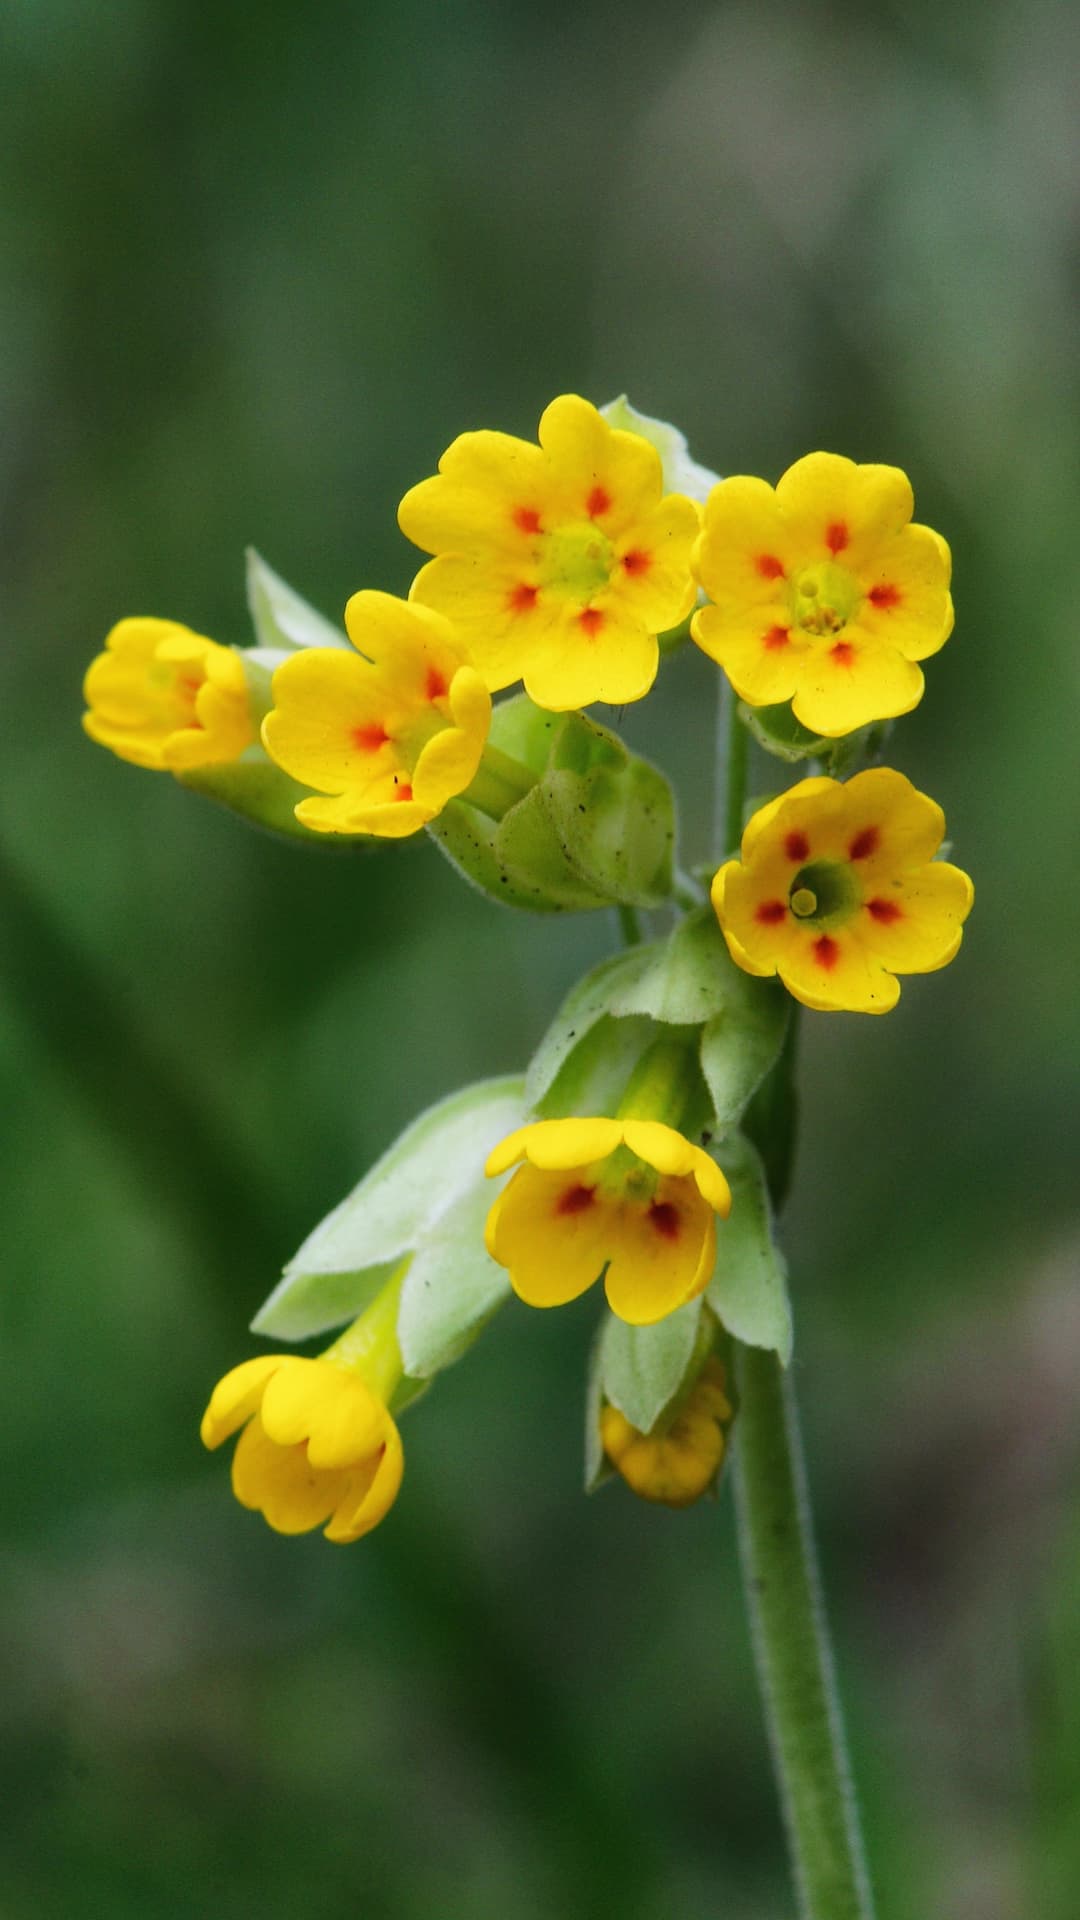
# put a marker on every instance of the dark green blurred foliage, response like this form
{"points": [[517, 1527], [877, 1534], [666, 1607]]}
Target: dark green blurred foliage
{"points": [[259, 266]]}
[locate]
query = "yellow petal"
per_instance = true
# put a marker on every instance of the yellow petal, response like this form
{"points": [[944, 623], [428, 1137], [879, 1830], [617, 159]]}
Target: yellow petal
{"points": [[914, 923], [837, 510], [745, 551], [236, 1397], [354, 813], [329, 723], [449, 760], [888, 825], [281, 1484], [569, 667], [652, 577], [497, 624], [484, 479], [572, 1142], [659, 1146], [601, 472], [907, 599], [833, 972], [370, 1497], [763, 654], [848, 680], [552, 1233], [661, 1255]]}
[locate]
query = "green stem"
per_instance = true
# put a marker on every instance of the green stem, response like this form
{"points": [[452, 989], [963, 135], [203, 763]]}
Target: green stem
{"points": [[737, 757], [791, 1644], [687, 893]]}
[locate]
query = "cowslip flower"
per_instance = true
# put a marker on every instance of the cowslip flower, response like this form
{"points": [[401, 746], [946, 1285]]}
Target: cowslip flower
{"points": [[676, 1464], [317, 1444], [166, 698], [630, 1199], [559, 563], [822, 592], [386, 735], [837, 891]]}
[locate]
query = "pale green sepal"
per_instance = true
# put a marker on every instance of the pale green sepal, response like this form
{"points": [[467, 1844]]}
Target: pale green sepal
{"points": [[598, 1068], [586, 1003], [262, 792], [598, 1468], [389, 1214], [777, 730], [453, 1286], [643, 1369], [691, 975], [281, 617], [681, 473], [743, 1041], [748, 1291], [596, 830], [525, 731]]}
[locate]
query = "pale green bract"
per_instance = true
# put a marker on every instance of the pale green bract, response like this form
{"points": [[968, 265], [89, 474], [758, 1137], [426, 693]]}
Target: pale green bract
{"points": [[283, 620], [748, 1291], [681, 473], [425, 1201]]}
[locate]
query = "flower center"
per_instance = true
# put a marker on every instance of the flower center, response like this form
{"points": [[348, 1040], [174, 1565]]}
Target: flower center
{"points": [[824, 598], [577, 559], [626, 1178], [824, 892]]}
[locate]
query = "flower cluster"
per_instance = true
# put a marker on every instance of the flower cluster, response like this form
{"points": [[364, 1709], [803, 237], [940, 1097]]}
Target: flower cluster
{"points": [[634, 1152]]}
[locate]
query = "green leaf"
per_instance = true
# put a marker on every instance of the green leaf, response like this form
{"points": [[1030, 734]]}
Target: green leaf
{"points": [[452, 1287], [586, 1003], [748, 1290], [643, 1369], [598, 1469], [742, 1043], [281, 617], [690, 975], [388, 1215]]}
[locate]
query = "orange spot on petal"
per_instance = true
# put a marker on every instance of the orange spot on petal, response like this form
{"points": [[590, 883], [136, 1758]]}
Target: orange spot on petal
{"points": [[435, 687], [770, 912], [369, 739], [843, 653], [599, 501], [665, 1219], [797, 846], [522, 599], [836, 536], [591, 620], [575, 1199], [885, 597], [776, 638], [527, 519], [403, 791], [826, 952], [637, 561], [769, 567], [884, 911], [865, 843]]}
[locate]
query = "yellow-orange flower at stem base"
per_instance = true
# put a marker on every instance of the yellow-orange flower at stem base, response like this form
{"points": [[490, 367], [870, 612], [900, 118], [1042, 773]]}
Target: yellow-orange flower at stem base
{"points": [[837, 891], [630, 1199], [677, 1463]]}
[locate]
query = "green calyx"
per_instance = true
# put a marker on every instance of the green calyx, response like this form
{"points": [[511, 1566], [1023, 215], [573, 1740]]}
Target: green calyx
{"points": [[577, 560]]}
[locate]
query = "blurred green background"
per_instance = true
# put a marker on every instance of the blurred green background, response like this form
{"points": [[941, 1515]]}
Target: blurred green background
{"points": [[260, 265]]}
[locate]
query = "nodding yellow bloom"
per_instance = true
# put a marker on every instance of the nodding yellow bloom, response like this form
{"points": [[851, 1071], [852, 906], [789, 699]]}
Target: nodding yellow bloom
{"points": [[559, 563], [317, 1444], [164, 697], [630, 1199], [390, 736], [837, 891], [822, 592], [677, 1463]]}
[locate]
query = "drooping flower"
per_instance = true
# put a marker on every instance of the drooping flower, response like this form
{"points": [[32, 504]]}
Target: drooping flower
{"points": [[386, 735], [630, 1199], [317, 1444], [822, 592], [559, 563], [837, 891], [166, 698], [678, 1462]]}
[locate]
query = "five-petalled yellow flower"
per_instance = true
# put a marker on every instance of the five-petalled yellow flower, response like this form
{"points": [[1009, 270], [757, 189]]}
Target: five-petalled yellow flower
{"points": [[837, 890], [166, 698], [386, 735], [822, 592], [630, 1199], [559, 563], [317, 1444], [678, 1462]]}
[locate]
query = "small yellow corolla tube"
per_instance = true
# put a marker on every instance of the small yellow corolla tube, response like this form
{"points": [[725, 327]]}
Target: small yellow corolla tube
{"points": [[837, 891], [317, 1444], [630, 1199], [559, 564], [386, 735], [166, 698], [678, 1462], [822, 591]]}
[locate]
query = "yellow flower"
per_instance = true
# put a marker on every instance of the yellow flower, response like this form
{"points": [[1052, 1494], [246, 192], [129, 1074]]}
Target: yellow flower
{"points": [[317, 1444], [631, 1199], [391, 736], [558, 563], [167, 698], [822, 592], [677, 1463], [837, 891]]}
